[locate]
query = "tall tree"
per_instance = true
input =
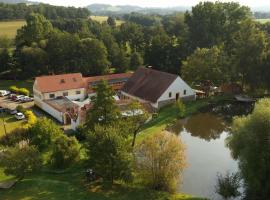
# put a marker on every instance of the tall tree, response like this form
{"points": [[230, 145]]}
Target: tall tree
{"points": [[109, 154], [136, 60], [111, 21], [37, 28], [104, 111], [250, 144]]}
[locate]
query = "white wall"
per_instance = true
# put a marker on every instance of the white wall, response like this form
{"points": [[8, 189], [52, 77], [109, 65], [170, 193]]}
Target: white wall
{"points": [[50, 110], [178, 86], [71, 94]]}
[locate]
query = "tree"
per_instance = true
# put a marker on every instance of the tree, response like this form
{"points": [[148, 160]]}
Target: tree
{"points": [[160, 160], [248, 51], [65, 151], [104, 111], [111, 21], [228, 185], [43, 133], [93, 57], [137, 118], [211, 23], [5, 59], [19, 160], [249, 143], [109, 154], [206, 64], [37, 28], [180, 108], [136, 60]]}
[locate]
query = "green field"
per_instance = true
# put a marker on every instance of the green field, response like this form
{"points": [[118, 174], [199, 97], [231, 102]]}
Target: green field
{"points": [[263, 21], [11, 123], [102, 19], [71, 185], [10, 28]]}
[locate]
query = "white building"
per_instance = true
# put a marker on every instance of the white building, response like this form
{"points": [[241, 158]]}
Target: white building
{"points": [[158, 88]]}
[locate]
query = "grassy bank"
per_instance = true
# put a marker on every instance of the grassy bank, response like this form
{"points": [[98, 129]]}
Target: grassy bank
{"points": [[70, 185], [9, 28], [169, 114]]}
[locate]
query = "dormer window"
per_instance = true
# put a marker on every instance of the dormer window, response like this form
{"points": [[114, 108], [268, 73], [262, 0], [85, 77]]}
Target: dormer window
{"points": [[74, 79], [62, 81]]}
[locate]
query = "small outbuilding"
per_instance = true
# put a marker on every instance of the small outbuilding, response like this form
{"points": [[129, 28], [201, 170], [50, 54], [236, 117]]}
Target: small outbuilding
{"points": [[157, 87]]}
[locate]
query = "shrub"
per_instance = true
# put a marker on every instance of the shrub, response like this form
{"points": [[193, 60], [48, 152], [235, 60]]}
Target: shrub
{"points": [[180, 108], [20, 108], [14, 137], [24, 91], [19, 160], [66, 151], [160, 159], [228, 185], [31, 118], [14, 89]]}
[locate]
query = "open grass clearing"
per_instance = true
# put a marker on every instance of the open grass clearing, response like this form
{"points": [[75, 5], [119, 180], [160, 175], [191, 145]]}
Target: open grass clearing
{"points": [[102, 19], [263, 21], [70, 185], [11, 123], [9, 28]]}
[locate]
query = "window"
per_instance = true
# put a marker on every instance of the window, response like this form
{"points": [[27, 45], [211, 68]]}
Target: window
{"points": [[185, 92], [65, 94], [52, 96], [78, 92], [62, 81], [170, 95]]}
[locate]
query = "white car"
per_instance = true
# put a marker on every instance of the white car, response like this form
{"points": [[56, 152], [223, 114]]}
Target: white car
{"points": [[19, 116], [19, 97], [4, 93]]}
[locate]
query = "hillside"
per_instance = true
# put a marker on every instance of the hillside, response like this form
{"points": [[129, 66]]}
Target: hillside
{"points": [[106, 9]]}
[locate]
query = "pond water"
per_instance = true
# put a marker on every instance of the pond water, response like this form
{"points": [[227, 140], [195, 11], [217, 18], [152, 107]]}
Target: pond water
{"points": [[204, 135]]}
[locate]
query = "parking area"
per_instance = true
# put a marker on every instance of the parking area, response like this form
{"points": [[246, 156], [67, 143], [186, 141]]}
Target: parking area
{"points": [[5, 102]]}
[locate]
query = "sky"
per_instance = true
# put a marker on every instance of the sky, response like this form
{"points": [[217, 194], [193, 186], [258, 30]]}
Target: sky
{"points": [[149, 3]]}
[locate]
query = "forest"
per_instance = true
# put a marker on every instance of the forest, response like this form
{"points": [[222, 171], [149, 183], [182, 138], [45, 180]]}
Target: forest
{"points": [[218, 41]]}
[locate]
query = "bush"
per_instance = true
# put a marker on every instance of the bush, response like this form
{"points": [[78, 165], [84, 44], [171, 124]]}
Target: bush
{"points": [[181, 108], [20, 108], [20, 160], [160, 159], [66, 151], [14, 89], [14, 137], [228, 185], [24, 91], [31, 118]]}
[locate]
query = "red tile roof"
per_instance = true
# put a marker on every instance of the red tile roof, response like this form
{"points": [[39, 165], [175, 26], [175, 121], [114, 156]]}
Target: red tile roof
{"points": [[148, 84], [107, 77], [62, 82]]}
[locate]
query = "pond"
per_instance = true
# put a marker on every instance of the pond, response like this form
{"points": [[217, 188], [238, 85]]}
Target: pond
{"points": [[204, 135]]}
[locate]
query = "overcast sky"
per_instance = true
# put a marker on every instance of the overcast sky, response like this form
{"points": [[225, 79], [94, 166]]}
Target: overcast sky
{"points": [[149, 3]]}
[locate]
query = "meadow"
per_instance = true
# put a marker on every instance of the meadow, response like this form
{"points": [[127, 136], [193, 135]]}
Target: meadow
{"points": [[9, 28], [102, 19], [263, 21]]}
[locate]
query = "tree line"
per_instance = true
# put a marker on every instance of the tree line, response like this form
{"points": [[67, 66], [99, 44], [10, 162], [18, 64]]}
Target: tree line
{"points": [[217, 41], [21, 10]]}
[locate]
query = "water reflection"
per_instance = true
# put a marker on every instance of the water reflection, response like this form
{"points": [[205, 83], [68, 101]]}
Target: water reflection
{"points": [[206, 126], [204, 135]]}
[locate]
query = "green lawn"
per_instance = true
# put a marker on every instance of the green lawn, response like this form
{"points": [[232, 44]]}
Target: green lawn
{"points": [[71, 186], [5, 84], [11, 123], [10, 28], [263, 21], [102, 19]]}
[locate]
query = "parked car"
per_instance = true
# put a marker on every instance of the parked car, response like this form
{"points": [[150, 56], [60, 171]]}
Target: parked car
{"points": [[13, 112], [19, 116], [26, 99], [11, 96], [4, 93], [19, 97]]}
